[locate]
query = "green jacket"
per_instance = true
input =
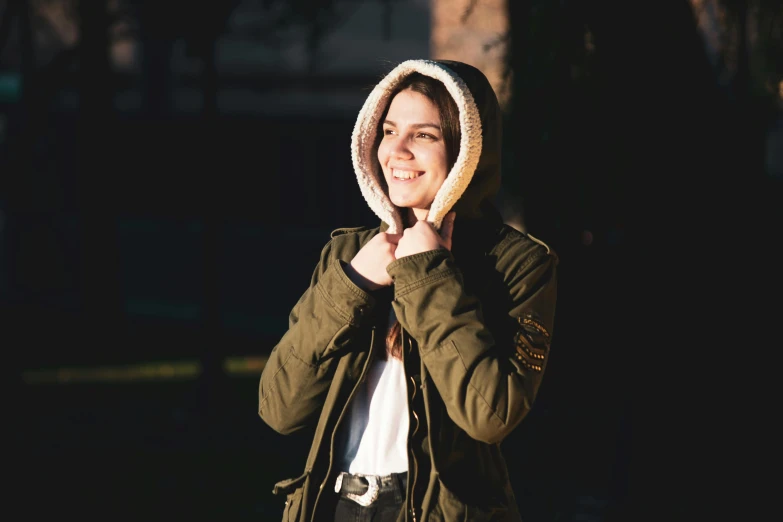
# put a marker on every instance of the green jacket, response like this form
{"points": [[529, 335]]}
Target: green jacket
{"points": [[476, 328]]}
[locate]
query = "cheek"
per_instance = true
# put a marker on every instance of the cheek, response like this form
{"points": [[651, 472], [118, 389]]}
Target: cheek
{"points": [[444, 164], [436, 162], [382, 153]]}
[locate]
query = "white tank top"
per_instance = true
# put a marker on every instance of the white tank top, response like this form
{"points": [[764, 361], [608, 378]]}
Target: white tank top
{"points": [[378, 424]]}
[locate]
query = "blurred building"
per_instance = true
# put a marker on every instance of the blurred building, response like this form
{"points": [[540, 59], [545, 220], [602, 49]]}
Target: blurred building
{"points": [[270, 57]]}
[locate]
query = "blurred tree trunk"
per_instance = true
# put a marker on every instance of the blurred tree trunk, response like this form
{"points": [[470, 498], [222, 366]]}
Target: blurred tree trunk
{"points": [[21, 123], [641, 141], [6, 22], [546, 110], [157, 30], [102, 299], [752, 108], [522, 175], [210, 79], [213, 382], [16, 191]]}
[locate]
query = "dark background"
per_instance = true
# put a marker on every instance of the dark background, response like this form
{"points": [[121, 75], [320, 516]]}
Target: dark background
{"points": [[152, 235]]}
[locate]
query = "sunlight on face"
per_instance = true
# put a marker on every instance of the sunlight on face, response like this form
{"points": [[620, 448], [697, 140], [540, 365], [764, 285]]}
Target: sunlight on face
{"points": [[412, 152]]}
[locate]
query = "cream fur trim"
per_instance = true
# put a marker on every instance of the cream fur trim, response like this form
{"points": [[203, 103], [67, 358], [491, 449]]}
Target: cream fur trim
{"points": [[365, 162]]}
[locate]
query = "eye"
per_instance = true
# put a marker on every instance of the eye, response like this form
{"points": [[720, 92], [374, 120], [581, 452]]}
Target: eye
{"points": [[388, 132], [426, 136]]}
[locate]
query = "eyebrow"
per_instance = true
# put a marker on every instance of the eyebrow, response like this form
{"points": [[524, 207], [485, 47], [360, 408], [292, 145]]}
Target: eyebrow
{"points": [[416, 125]]}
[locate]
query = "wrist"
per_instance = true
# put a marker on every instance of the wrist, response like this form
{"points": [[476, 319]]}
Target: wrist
{"points": [[359, 280]]}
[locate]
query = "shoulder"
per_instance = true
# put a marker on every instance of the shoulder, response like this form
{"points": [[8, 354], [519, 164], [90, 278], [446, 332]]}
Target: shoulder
{"points": [[346, 242], [343, 245], [517, 250], [348, 232]]}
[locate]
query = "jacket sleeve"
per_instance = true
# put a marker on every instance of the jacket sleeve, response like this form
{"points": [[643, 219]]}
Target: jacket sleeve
{"points": [[297, 374], [487, 380]]}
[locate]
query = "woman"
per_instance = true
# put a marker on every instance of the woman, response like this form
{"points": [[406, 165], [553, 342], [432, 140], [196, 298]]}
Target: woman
{"points": [[420, 344]]}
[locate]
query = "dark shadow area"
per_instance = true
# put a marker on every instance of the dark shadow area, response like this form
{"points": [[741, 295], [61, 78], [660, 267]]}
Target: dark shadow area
{"points": [[136, 233]]}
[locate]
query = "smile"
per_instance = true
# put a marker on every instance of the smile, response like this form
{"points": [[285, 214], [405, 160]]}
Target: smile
{"points": [[405, 174]]}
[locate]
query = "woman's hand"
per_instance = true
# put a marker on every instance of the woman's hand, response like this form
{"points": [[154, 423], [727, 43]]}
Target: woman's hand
{"points": [[368, 268], [421, 237]]}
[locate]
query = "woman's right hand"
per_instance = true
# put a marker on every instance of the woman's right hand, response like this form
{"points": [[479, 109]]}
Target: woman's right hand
{"points": [[368, 268]]}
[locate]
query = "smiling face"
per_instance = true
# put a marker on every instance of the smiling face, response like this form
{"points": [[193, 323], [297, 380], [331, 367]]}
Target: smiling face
{"points": [[412, 152]]}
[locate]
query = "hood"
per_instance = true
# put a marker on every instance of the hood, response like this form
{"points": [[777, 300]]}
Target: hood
{"points": [[474, 179]]}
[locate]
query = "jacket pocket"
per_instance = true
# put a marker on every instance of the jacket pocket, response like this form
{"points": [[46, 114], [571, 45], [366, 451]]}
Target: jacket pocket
{"points": [[450, 508], [293, 489]]}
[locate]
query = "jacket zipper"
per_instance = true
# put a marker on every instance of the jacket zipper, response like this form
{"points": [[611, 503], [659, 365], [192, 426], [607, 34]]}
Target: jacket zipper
{"points": [[339, 421], [412, 484]]}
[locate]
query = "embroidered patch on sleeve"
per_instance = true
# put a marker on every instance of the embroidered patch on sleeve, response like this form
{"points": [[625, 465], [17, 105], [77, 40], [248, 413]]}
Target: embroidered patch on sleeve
{"points": [[532, 342]]}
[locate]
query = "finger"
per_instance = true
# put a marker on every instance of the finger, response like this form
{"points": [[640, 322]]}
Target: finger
{"points": [[448, 226], [427, 227]]}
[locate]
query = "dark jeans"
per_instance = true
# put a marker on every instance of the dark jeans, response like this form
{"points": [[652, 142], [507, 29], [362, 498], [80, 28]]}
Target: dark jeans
{"points": [[386, 508]]}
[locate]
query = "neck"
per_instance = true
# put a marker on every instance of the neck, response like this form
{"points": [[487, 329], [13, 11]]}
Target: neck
{"points": [[416, 214]]}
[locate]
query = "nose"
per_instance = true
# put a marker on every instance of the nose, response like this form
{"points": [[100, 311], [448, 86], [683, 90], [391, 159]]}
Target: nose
{"points": [[400, 149]]}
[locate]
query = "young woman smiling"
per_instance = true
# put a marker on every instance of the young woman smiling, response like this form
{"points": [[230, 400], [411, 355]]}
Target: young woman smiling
{"points": [[420, 344]]}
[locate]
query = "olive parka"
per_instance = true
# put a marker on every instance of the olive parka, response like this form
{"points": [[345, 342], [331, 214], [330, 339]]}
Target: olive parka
{"points": [[476, 328]]}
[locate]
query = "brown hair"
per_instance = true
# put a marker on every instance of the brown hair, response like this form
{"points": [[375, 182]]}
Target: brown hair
{"points": [[436, 92]]}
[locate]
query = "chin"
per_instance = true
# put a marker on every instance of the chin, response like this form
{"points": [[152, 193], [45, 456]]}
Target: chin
{"points": [[400, 202]]}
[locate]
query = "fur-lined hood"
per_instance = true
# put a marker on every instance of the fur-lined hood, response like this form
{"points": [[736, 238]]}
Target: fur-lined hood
{"points": [[475, 177]]}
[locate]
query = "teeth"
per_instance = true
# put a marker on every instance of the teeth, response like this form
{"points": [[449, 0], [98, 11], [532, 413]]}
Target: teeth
{"points": [[404, 174]]}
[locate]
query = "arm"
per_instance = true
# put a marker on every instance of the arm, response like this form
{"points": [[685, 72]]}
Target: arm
{"points": [[298, 374], [488, 380]]}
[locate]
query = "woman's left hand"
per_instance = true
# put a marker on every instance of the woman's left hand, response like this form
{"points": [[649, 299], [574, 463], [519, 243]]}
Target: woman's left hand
{"points": [[421, 237]]}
